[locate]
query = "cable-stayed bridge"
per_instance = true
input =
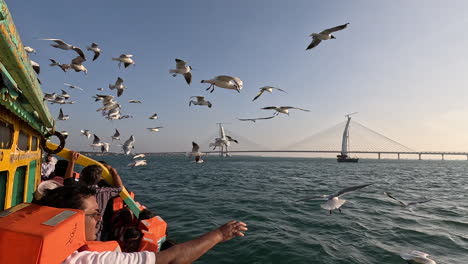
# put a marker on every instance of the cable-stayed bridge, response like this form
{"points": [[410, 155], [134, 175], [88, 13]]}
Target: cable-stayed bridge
{"points": [[360, 140]]}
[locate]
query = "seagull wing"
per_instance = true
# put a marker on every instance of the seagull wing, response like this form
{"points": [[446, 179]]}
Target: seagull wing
{"points": [[224, 78], [96, 139], [58, 41], [80, 52], [351, 189], [78, 60], [96, 55], [270, 108], [119, 92], [279, 89], [180, 64], [261, 118], [188, 77], [60, 114], [119, 81], [389, 195], [314, 43], [247, 119], [258, 95], [117, 133], [334, 29], [419, 202], [292, 107], [195, 147], [200, 99]]}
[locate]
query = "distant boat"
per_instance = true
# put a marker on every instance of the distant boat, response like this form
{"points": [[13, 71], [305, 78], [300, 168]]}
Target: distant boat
{"points": [[343, 157]]}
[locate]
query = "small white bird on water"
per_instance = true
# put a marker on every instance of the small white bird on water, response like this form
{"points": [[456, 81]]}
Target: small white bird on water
{"points": [[154, 129], [61, 116], [333, 200], [116, 135], [137, 163], [139, 156], [126, 59], [224, 81], [200, 101], [118, 85], [324, 35], [183, 69], [94, 48], [283, 109], [267, 89], [407, 204], [417, 257]]}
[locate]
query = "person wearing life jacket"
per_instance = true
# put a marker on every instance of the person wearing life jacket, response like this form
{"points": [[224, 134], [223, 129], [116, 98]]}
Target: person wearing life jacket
{"points": [[83, 198]]}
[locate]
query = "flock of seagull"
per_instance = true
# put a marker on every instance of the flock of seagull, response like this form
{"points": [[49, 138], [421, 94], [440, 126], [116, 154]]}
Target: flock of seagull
{"points": [[111, 110]]}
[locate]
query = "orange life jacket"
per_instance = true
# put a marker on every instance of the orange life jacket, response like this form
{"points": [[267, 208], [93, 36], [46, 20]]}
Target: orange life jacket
{"points": [[154, 233]]}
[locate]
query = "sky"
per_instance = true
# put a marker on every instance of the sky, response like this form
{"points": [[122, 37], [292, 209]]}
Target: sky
{"points": [[400, 64]]}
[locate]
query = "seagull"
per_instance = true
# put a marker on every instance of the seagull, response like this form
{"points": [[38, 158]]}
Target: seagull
{"points": [[219, 142], [128, 145], [64, 67], [116, 135], [36, 66], [333, 200], [60, 44], [134, 101], [268, 89], [126, 59], [229, 138], [255, 119], [154, 129], [105, 147], [65, 94], [324, 35], [60, 100], [62, 116], [94, 48], [224, 81], [86, 133], [64, 134], [118, 85], [139, 156], [406, 204], [184, 69], [71, 86], [200, 101], [49, 96], [137, 163], [154, 116], [283, 109], [417, 257], [29, 49], [196, 152], [77, 64], [96, 142], [100, 89]]}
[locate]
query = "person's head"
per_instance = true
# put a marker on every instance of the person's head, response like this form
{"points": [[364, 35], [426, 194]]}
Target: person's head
{"points": [[61, 168], [48, 158], [132, 237], [76, 197], [91, 175]]}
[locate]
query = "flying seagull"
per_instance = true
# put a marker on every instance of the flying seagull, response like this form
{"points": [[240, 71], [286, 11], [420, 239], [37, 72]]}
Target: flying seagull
{"points": [[60, 44], [196, 152], [139, 156], [100, 89], [86, 133], [36, 66], [406, 204], [94, 48], [64, 67], [96, 142], [333, 200], [283, 109], [154, 129], [183, 69], [118, 85], [29, 49], [417, 257], [129, 145], [126, 59], [134, 101], [137, 163], [268, 89], [71, 86], [200, 101], [77, 64], [224, 81], [105, 147], [229, 138], [64, 134], [324, 35], [62, 116], [116, 135], [255, 119], [65, 94], [154, 116]]}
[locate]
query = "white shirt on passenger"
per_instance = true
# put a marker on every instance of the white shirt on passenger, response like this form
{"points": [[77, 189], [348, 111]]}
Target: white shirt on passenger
{"points": [[93, 257]]}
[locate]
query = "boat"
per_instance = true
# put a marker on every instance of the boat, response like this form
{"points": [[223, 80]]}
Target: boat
{"points": [[343, 156], [31, 233]]}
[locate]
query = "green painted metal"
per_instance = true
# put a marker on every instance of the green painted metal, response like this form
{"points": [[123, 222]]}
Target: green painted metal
{"points": [[18, 66], [31, 180], [3, 185], [18, 186]]}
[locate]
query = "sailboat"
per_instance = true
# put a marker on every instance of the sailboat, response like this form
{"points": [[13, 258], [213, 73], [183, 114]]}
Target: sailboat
{"points": [[343, 157]]}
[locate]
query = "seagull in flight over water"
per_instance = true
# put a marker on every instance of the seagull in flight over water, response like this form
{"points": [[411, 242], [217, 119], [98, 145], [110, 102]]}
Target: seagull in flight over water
{"points": [[333, 200], [255, 119], [283, 109], [267, 89], [324, 35], [183, 69], [60, 44], [417, 257], [116, 135], [406, 204], [196, 152]]}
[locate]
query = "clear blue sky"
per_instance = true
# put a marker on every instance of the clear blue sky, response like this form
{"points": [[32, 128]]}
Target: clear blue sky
{"points": [[401, 64]]}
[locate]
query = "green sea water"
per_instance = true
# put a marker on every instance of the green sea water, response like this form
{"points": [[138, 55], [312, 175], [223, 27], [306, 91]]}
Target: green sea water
{"points": [[196, 198]]}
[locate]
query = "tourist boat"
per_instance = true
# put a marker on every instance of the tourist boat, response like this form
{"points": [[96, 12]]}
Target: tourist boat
{"points": [[343, 157], [31, 233]]}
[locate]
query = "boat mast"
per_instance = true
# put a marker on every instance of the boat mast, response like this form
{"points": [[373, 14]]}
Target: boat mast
{"points": [[344, 142]]}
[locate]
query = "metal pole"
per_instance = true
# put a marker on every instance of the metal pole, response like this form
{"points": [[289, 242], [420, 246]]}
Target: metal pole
{"points": [[379, 154], [398, 155], [419, 156]]}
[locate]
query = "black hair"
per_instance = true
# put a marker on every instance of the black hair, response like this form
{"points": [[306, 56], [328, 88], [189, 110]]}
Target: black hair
{"points": [[145, 214], [61, 168], [91, 175], [68, 196]]}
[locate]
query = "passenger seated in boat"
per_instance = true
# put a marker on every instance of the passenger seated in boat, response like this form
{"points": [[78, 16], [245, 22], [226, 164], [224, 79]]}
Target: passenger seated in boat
{"points": [[47, 167], [83, 198]]}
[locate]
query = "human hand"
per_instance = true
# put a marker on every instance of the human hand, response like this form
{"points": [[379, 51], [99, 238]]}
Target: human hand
{"points": [[74, 156], [232, 229]]}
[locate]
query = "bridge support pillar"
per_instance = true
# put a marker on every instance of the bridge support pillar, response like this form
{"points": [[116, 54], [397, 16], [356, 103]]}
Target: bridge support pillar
{"points": [[398, 155], [466, 157], [419, 156], [443, 158], [378, 155]]}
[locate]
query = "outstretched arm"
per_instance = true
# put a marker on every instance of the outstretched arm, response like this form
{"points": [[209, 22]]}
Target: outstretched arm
{"points": [[115, 176], [71, 164], [190, 251]]}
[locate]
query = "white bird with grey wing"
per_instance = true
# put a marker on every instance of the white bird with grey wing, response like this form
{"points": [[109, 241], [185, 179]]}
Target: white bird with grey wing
{"points": [[61, 116], [60, 44], [183, 69], [49, 96], [77, 65], [96, 142], [200, 101], [255, 119], [128, 145], [126, 59], [224, 81], [417, 257], [134, 101], [407, 204], [105, 147], [139, 156], [36, 67], [137, 163], [219, 142], [196, 152], [283, 109], [333, 200], [154, 129], [29, 49], [267, 89], [86, 133], [64, 134], [324, 35], [230, 139], [65, 94], [118, 85], [116, 135], [154, 116], [71, 86], [94, 48], [64, 67]]}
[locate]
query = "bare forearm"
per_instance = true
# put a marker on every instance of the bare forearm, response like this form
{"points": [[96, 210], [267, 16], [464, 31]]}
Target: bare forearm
{"points": [[189, 251], [70, 168], [116, 178]]}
